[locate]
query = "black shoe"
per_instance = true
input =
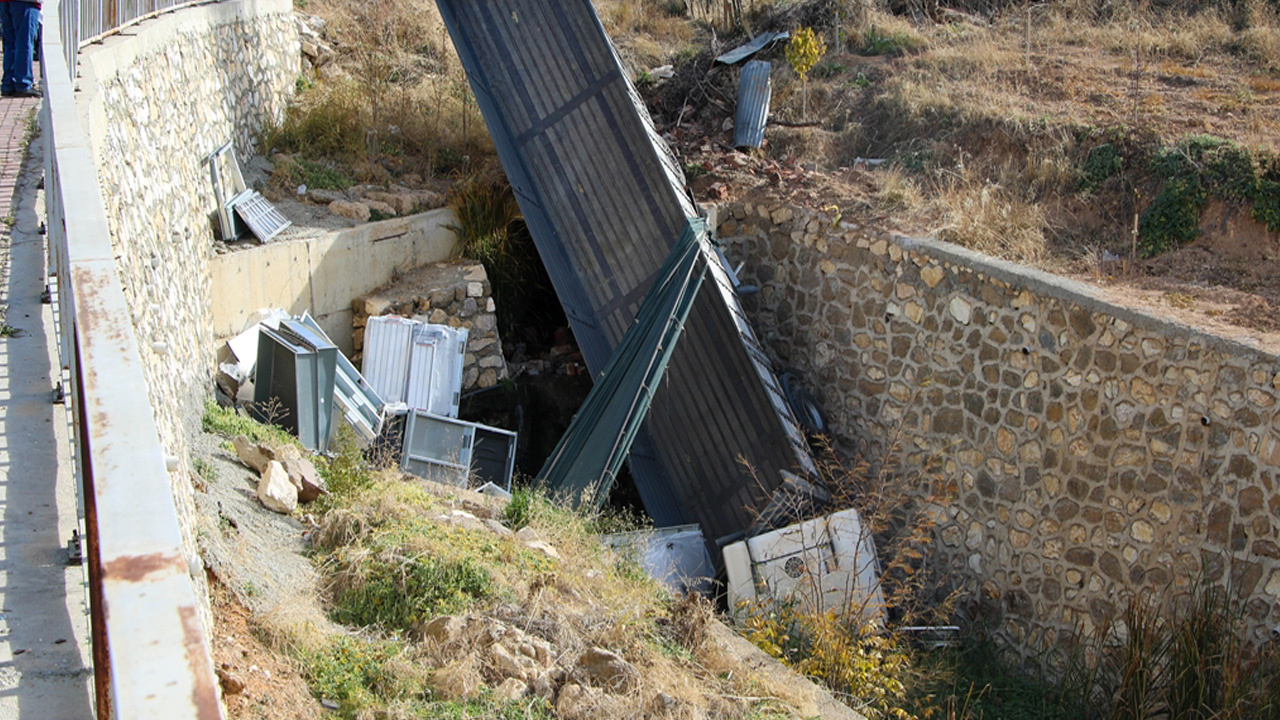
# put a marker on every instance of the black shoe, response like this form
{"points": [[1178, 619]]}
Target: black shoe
{"points": [[28, 93], [7, 93]]}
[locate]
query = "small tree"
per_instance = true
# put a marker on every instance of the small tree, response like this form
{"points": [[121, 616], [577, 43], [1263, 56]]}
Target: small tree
{"points": [[803, 52]]}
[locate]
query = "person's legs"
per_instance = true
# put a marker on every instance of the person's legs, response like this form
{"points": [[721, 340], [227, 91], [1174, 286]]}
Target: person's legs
{"points": [[26, 23], [7, 35]]}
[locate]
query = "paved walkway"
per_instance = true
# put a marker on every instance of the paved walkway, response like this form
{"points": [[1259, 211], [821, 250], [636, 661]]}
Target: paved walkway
{"points": [[44, 650]]}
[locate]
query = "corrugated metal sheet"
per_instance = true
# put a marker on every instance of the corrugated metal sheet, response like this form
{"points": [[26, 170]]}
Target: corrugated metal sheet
{"points": [[387, 341], [604, 199], [758, 43], [754, 91]]}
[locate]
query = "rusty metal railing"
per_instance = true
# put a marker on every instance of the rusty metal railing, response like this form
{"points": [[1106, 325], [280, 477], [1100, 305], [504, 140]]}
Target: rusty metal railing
{"points": [[86, 21], [151, 658]]}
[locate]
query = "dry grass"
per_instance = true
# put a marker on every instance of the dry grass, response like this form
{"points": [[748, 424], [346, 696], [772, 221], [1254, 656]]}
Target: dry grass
{"points": [[395, 100], [992, 219]]}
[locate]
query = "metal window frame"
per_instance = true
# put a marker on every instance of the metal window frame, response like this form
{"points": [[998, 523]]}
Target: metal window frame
{"points": [[435, 464]]}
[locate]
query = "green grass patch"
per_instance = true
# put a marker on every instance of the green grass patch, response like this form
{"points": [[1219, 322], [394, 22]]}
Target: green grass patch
{"points": [[876, 41], [487, 706], [229, 423], [205, 470], [395, 591], [357, 673]]}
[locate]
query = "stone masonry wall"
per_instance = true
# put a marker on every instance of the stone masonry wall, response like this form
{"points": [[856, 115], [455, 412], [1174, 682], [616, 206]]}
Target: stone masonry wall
{"points": [[442, 294], [156, 102], [1098, 453]]}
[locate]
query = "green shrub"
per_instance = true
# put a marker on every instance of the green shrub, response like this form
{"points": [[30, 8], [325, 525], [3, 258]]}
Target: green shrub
{"points": [[1173, 217], [1266, 204], [346, 470], [519, 509], [348, 670], [1103, 162]]}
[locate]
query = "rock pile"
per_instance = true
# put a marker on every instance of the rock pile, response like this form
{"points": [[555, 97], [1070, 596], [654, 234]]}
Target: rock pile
{"points": [[582, 685], [316, 53], [362, 202], [286, 478]]}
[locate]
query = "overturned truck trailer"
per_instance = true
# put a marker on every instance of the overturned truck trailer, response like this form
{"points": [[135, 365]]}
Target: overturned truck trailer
{"points": [[604, 199]]}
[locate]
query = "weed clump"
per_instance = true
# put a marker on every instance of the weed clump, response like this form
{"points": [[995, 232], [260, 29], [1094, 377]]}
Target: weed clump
{"points": [[391, 561]]}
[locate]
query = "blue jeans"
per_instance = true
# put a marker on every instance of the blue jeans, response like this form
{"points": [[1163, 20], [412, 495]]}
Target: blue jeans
{"points": [[19, 22]]}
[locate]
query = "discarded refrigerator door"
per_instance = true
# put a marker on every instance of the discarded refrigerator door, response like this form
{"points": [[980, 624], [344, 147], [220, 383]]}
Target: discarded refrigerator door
{"points": [[435, 369], [493, 456], [360, 405], [295, 382], [452, 451], [827, 564], [387, 348], [675, 556]]}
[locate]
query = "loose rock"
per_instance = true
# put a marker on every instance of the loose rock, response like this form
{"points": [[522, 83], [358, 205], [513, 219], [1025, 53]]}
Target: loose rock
{"points": [[231, 682], [305, 477], [352, 210], [608, 670], [250, 453], [275, 491], [511, 689]]}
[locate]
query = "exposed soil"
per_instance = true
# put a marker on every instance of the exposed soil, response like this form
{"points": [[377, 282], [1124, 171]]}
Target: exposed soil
{"points": [[266, 684]]}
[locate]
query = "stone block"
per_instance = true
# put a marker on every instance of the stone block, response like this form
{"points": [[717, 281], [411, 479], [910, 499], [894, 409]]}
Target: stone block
{"points": [[353, 210]]}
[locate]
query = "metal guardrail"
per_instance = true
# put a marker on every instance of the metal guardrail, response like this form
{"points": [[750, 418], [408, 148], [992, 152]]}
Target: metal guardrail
{"points": [[151, 659], [86, 21]]}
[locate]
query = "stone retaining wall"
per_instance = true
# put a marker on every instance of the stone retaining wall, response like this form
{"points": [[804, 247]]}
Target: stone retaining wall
{"points": [[155, 102], [1097, 452]]}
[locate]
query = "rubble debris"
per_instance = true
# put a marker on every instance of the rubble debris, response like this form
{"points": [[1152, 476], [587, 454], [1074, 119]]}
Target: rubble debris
{"points": [[454, 451], [361, 406], [294, 382], [236, 202], [674, 556], [442, 295]]}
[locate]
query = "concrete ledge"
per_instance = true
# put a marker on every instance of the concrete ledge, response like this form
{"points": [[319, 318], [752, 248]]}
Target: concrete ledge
{"points": [[322, 275], [1072, 291]]}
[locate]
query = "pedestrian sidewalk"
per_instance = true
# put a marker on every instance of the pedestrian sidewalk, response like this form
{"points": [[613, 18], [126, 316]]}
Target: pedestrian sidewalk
{"points": [[44, 651]]}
